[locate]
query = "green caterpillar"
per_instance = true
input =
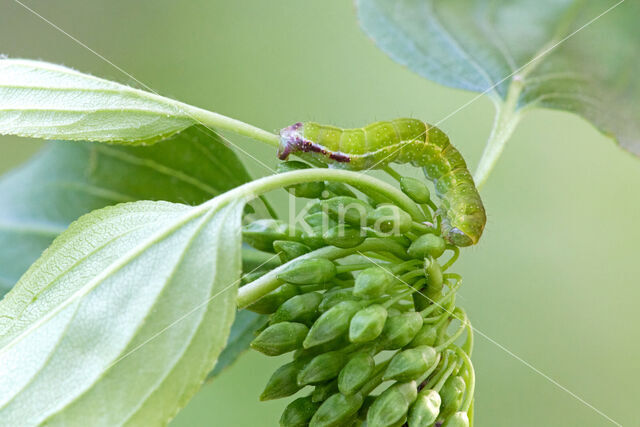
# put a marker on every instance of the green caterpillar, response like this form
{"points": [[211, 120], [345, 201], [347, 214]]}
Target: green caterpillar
{"points": [[400, 141]]}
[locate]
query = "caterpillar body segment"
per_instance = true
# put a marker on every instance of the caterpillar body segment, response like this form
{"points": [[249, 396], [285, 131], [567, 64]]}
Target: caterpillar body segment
{"points": [[398, 141]]}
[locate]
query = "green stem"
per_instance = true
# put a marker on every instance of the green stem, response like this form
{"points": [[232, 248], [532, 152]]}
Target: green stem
{"points": [[219, 121], [506, 120], [471, 381]]}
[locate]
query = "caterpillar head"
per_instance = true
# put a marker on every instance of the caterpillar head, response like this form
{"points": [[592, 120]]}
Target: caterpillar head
{"points": [[293, 140]]}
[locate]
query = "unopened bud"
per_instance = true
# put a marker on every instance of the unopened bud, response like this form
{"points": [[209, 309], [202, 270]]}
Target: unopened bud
{"points": [[348, 210], [452, 393], [319, 220], [390, 219], [401, 329], [334, 297], [367, 324], [308, 271], [253, 275], [280, 338], [309, 353], [425, 410], [342, 236], [459, 419], [433, 273], [299, 412], [288, 250], [301, 308], [283, 382], [373, 282], [392, 406], [356, 373], [322, 368], [332, 323], [411, 364], [427, 335], [427, 245], [338, 410], [269, 303], [263, 232], [415, 189], [323, 391], [364, 409], [420, 300]]}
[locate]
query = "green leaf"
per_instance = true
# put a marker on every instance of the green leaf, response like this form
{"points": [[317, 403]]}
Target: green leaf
{"points": [[69, 179], [122, 318], [523, 53], [242, 333], [43, 100]]}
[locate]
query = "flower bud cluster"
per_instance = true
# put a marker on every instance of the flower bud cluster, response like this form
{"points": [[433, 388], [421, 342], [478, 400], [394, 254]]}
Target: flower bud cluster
{"points": [[367, 309]]}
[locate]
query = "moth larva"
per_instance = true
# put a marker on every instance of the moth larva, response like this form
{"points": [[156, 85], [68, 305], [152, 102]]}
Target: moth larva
{"points": [[400, 141]]}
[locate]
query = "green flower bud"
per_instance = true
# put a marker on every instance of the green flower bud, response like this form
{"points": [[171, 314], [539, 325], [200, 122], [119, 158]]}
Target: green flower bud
{"points": [[373, 282], [411, 364], [427, 245], [250, 277], [299, 412], [309, 190], [288, 250], [452, 393], [337, 411], [332, 323], [364, 409], [283, 382], [323, 367], [323, 391], [319, 220], [348, 210], [313, 239], [401, 329], [262, 233], [301, 308], [308, 271], [427, 335], [425, 410], [415, 189], [420, 300], [392, 406], [343, 236], [433, 273], [339, 189], [345, 276], [280, 338], [356, 373], [401, 240], [367, 324], [270, 302], [390, 219], [309, 353], [459, 419], [334, 297]]}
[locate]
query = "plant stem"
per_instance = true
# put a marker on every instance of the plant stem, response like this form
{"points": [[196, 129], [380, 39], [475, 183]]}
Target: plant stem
{"points": [[219, 121], [505, 122], [365, 183]]}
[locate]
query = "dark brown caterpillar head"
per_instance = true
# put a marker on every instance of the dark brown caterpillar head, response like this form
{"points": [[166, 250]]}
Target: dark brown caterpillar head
{"points": [[292, 140]]}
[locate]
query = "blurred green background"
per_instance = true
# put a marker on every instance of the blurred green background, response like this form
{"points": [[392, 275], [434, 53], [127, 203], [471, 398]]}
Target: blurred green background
{"points": [[553, 286]]}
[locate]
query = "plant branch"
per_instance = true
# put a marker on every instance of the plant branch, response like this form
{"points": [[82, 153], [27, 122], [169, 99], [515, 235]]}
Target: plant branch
{"points": [[506, 120], [220, 121]]}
